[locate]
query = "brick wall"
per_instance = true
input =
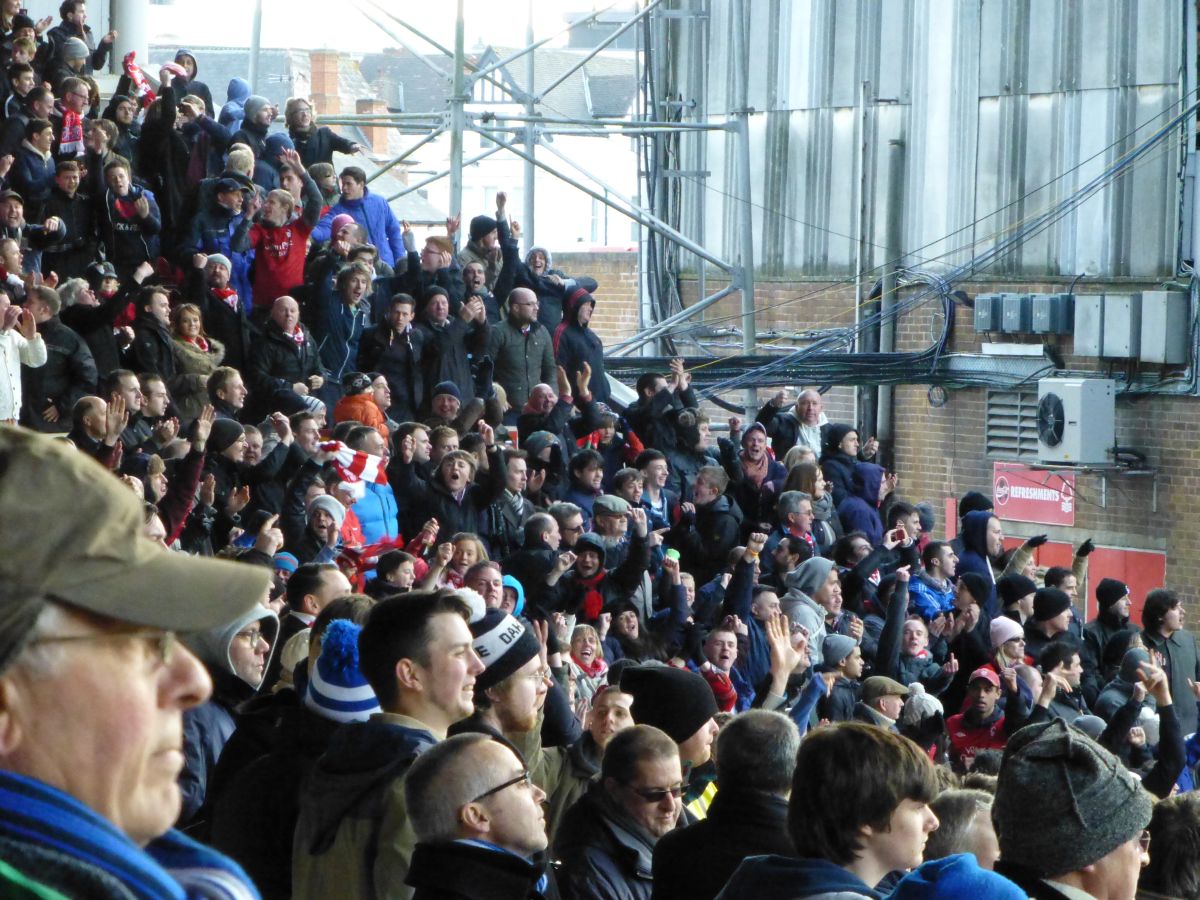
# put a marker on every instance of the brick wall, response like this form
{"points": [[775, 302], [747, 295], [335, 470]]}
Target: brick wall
{"points": [[616, 274], [939, 452]]}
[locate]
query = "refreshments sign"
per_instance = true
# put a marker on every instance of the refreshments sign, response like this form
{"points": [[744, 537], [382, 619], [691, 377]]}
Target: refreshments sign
{"points": [[1022, 494]]}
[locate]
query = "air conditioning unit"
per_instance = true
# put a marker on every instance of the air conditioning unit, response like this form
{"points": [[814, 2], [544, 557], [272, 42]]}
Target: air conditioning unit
{"points": [[1076, 420]]}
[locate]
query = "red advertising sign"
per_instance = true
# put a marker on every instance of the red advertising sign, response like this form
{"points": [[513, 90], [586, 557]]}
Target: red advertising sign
{"points": [[1022, 494]]}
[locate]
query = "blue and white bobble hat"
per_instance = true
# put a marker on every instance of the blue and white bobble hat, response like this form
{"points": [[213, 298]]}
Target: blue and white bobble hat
{"points": [[337, 689]]}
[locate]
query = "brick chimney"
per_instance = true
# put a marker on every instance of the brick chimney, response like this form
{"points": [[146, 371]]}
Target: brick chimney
{"points": [[326, 98], [376, 135]]}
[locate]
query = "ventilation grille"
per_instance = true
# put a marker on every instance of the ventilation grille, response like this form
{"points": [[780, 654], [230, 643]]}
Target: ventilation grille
{"points": [[1011, 431]]}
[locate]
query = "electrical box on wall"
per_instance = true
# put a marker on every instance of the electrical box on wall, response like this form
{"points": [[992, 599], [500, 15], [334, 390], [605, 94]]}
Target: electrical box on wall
{"points": [[1053, 313], [1089, 324], [1164, 331], [1122, 326], [987, 313], [1017, 318]]}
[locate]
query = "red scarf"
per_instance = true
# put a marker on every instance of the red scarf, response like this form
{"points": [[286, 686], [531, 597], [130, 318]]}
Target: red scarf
{"points": [[595, 669], [141, 85], [298, 336], [124, 206], [197, 341], [229, 295], [593, 601]]}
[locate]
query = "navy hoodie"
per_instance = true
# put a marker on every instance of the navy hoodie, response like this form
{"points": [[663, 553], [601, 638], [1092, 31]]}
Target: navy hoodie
{"points": [[859, 511], [974, 557], [783, 878]]}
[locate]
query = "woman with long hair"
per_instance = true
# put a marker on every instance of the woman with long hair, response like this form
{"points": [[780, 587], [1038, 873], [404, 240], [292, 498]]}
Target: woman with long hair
{"points": [[196, 357]]}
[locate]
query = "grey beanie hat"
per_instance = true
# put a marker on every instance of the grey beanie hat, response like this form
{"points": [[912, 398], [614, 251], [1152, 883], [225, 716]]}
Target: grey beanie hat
{"points": [[74, 48], [254, 105], [808, 577], [1063, 801], [1131, 662], [835, 648]]}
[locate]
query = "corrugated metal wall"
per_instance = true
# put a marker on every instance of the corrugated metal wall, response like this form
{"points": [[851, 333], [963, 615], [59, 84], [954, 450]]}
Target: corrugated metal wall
{"points": [[1004, 107]]}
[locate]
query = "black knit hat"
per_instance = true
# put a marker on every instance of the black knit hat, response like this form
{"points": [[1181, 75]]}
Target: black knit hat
{"points": [[1109, 591], [1012, 588], [447, 387], [481, 225], [1063, 801], [973, 501], [503, 644], [224, 433], [1048, 603], [977, 585], [676, 700]]}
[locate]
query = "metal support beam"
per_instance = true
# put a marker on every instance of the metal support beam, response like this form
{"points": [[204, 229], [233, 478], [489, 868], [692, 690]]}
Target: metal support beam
{"points": [[604, 43], [623, 123], [432, 136], [255, 46], [530, 135], [408, 189], [884, 431], [458, 101], [374, 19], [638, 215], [741, 132], [629, 344]]}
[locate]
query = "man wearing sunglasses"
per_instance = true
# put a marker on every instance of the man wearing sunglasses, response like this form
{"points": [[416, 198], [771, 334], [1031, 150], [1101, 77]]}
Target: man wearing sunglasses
{"points": [[94, 683], [478, 820], [606, 841]]}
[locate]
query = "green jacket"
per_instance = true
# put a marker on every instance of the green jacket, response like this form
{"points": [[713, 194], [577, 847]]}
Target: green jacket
{"points": [[353, 837], [521, 360]]}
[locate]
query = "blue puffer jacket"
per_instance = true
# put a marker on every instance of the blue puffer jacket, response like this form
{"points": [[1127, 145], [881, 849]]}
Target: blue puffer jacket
{"points": [[859, 511], [377, 513], [212, 231], [372, 213]]}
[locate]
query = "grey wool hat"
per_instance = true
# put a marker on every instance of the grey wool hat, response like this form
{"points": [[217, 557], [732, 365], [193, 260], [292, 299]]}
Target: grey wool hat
{"points": [[1063, 801]]}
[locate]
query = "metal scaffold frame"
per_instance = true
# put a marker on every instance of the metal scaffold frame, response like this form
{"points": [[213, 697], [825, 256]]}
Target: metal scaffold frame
{"points": [[521, 134]]}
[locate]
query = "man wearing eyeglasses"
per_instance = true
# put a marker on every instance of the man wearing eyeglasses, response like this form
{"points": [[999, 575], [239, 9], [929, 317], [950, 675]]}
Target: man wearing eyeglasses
{"points": [[93, 683], [236, 658], [478, 820], [607, 840]]}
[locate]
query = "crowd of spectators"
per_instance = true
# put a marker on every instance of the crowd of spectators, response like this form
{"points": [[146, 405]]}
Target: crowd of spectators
{"points": [[351, 577]]}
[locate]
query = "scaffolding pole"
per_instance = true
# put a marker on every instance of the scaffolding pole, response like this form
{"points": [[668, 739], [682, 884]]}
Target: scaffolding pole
{"points": [[638, 215], [657, 331], [408, 189], [530, 136], [741, 131], [458, 102], [432, 136], [604, 43]]}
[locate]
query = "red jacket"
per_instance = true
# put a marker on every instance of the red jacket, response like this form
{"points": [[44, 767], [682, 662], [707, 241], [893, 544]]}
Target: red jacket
{"points": [[966, 741], [278, 259]]}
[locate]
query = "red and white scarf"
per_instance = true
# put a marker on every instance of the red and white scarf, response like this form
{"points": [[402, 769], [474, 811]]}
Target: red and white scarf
{"points": [[229, 295], [71, 142], [355, 465]]}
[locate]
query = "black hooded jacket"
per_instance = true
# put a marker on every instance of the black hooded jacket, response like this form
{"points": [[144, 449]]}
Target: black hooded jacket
{"points": [[577, 345]]}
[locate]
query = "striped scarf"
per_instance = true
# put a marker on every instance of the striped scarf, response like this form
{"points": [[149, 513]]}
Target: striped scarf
{"points": [[71, 839]]}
